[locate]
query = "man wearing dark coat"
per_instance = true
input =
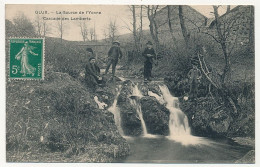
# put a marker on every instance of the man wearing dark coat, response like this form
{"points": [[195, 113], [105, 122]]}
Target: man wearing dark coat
{"points": [[113, 54], [148, 54], [92, 72]]}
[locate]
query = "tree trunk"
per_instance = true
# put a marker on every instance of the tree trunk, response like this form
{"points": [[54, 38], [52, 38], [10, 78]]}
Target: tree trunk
{"points": [[134, 29], [170, 24], [222, 41], [153, 26], [183, 27], [228, 9], [44, 29], [141, 27]]}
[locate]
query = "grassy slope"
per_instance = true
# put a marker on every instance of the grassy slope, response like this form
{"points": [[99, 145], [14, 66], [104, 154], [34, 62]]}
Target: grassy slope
{"points": [[57, 120]]}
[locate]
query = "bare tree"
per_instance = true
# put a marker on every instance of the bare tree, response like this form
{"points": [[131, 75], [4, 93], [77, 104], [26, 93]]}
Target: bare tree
{"points": [[151, 14], [23, 26], [60, 27], [141, 22], [223, 29], [136, 35], [228, 9], [42, 28], [38, 25], [83, 30], [92, 34], [185, 33], [222, 38], [95, 34], [45, 28], [110, 31], [169, 23]]}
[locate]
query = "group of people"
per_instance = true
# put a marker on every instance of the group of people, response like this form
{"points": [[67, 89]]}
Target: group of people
{"points": [[93, 76], [92, 71]]}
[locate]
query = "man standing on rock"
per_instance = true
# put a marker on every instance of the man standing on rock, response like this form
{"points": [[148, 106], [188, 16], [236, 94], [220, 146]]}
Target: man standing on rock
{"points": [[113, 54], [149, 54]]}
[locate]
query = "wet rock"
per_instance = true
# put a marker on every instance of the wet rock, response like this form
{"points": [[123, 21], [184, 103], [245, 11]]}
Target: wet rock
{"points": [[131, 123], [156, 116], [220, 122], [126, 91], [199, 122], [244, 125], [205, 119]]}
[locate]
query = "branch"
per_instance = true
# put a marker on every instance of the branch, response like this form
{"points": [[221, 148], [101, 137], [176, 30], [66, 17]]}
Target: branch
{"points": [[210, 80], [211, 36]]}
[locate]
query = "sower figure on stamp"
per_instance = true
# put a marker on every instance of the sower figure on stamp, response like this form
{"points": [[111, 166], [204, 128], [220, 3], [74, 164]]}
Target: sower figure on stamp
{"points": [[92, 75], [149, 54], [114, 54], [194, 76], [26, 68]]}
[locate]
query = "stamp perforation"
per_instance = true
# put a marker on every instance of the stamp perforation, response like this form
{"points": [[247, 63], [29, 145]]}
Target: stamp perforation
{"points": [[43, 59]]}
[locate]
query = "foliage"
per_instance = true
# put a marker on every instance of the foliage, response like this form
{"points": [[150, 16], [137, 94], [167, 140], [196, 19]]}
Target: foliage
{"points": [[23, 26]]}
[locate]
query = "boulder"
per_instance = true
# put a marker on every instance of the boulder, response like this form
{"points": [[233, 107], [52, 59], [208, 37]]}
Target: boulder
{"points": [[155, 115], [206, 118], [131, 123]]}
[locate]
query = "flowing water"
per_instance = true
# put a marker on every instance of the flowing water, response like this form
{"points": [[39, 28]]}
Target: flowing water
{"points": [[178, 122], [136, 95], [116, 111], [180, 146]]}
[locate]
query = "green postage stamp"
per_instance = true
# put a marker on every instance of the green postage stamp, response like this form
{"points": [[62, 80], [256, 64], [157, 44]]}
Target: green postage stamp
{"points": [[26, 58]]}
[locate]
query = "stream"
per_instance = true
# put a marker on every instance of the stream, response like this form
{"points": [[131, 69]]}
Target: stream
{"points": [[162, 150], [180, 146]]}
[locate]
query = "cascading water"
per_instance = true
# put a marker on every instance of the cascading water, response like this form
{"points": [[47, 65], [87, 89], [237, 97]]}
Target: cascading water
{"points": [[116, 111], [178, 122], [136, 95]]}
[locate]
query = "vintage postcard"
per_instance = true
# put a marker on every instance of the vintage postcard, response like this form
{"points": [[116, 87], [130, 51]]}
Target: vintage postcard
{"points": [[171, 84]]}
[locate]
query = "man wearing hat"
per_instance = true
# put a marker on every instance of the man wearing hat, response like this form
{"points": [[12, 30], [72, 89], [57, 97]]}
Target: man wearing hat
{"points": [[149, 54], [113, 54], [92, 75]]}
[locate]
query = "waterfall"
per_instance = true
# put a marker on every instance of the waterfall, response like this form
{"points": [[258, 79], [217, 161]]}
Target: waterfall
{"points": [[116, 111], [134, 100], [178, 122]]}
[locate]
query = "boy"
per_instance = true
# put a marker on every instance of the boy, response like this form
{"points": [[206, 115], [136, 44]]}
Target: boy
{"points": [[149, 54]]}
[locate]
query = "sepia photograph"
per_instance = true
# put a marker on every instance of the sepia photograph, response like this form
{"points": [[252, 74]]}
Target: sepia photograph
{"points": [[157, 84]]}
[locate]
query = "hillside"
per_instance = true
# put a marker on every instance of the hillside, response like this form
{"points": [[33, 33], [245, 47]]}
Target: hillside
{"points": [[57, 119]]}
